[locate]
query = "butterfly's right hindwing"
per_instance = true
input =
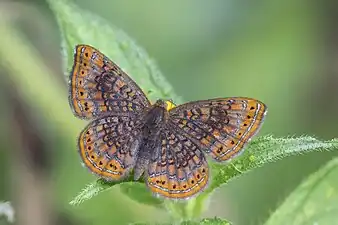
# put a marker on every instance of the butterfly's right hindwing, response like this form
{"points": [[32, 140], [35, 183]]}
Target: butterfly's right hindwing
{"points": [[180, 171]]}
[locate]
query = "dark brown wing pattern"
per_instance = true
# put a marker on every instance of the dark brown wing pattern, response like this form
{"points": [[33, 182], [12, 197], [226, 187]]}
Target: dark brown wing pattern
{"points": [[99, 87], [222, 126], [108, 146], [180, 171]]}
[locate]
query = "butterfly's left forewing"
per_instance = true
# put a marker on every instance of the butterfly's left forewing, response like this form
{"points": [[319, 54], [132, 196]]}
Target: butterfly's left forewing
{"points": [[221, 126], [98, 87]]}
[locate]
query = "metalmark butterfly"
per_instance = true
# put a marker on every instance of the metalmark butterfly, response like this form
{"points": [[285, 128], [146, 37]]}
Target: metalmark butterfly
{"points": [[168, 146]]}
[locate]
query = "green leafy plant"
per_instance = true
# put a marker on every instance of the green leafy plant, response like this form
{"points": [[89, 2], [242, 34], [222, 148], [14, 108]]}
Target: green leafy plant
{"points": [[79, 26], [313, 202]]}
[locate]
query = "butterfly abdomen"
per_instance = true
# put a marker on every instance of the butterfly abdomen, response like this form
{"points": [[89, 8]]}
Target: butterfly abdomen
{"points": [[150, 144]]}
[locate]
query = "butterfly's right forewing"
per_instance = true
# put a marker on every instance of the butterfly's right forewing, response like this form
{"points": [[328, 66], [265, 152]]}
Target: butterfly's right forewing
{"points": [[221, 126]]}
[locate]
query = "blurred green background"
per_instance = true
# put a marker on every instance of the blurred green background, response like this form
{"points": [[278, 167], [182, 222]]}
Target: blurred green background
{"points": [[283, 53]]}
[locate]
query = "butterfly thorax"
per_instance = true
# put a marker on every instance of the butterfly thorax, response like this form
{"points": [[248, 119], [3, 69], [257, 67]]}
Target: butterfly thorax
{"points": [[154, 122]]}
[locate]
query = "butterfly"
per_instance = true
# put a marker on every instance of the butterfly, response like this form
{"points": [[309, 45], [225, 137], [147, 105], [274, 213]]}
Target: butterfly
{"points": [[169, 146]]}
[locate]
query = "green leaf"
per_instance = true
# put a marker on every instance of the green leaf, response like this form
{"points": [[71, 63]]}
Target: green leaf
{"points": [[136, 190], [78, 26], [267, 149], [258, 152], [207, 221], [90, 191], [139, 192], [313, 202], [213, 221]]}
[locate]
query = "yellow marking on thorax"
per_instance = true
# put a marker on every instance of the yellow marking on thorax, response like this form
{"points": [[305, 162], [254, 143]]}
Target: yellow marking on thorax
{"points": [[170, 105]]}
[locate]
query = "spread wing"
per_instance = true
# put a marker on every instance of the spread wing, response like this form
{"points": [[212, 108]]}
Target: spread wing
{"points": [[221, 126], [99, 87], [179, 169], [108, 146]]}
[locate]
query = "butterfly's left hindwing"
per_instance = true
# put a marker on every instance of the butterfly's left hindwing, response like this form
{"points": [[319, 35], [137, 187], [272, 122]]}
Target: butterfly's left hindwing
{"points": [[108, 146]]}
